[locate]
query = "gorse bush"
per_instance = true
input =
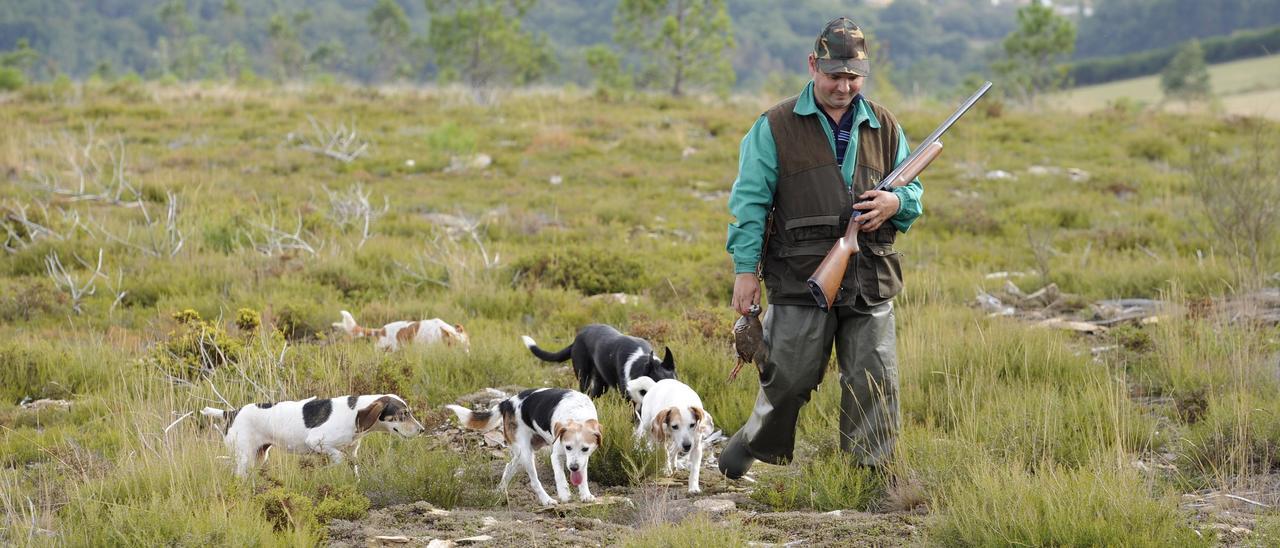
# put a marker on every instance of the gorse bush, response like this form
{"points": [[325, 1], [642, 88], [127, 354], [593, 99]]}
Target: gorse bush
{"points": [[195, 347]]}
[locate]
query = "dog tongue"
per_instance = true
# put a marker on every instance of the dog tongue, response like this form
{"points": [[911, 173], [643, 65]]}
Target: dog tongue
{"points": [[575, 477]]}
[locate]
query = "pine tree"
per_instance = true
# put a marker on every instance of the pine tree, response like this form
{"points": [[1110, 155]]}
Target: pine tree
{"points": [[1035, 51], [480, 41], [390, 27], [1186, 76], [684, 42]]}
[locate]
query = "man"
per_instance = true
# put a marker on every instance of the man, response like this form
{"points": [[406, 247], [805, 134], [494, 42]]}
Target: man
{"points": [[800, 168]]}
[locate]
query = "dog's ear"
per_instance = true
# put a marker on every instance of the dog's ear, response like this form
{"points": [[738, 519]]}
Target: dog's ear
{"points": [[447, 336], [703, 419], [593, 426], [659, 425], [559, 429], [668, 362], [369, 416], [458, 326]]}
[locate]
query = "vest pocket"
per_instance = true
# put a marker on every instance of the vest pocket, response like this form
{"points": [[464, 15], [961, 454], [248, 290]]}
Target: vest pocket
{"points": [[879, 272], [804, 230]]}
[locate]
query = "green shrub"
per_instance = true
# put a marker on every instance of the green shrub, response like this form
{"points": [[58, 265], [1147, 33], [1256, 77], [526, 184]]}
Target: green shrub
{"points": [[285, 509], [396, 472], [195, 347], [11, 78], [589, 270]]}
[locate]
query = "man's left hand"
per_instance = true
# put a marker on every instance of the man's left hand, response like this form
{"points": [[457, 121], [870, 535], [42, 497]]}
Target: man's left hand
{"points": [[879, 206]]}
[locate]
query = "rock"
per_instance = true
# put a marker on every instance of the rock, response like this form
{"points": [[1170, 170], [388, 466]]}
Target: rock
{"points": [[999, 175], [1041, 171], [615, 298], [1077, 175], [474, 540], [389, 539], [409, 163], [1082, 327], [714, 506], [556, 179], [1044, 296], [993, 306], [45, 403], [440, 543], [688, 151]]}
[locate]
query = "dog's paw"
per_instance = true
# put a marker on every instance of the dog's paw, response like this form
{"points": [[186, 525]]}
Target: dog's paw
{"points": [[694, 489], [563, 497], [547, 501], [588, 498]]}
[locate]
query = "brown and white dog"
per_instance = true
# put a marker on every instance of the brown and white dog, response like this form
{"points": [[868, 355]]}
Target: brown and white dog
{"points": [[671, 414], [330, 426], [564, 419], [396, 334]]}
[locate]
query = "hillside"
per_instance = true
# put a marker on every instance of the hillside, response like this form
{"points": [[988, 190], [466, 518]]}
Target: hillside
{"points": [[1245, 87], [233, 224]]}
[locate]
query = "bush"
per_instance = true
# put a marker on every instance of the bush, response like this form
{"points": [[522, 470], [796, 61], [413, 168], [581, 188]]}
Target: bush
{"points": [[195, 347], [11, 79], [589, 270]]}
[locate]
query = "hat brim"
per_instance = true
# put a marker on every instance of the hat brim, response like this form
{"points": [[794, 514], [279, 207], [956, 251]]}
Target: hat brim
{"points": [[860, 67]]}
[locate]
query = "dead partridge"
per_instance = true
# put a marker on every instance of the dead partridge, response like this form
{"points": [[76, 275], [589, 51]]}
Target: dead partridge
{"points": [[748, 340]]}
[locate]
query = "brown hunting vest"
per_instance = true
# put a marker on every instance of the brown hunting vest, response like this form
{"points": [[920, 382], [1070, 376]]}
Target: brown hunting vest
{"points": [[812, 206]]}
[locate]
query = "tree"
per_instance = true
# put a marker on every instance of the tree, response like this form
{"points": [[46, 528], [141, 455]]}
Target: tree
{"points": [[1186, 76], [390, 27], [479, 41], [682, 41], [15, 64], [1035, 52], [606, 66], [285, 44]]}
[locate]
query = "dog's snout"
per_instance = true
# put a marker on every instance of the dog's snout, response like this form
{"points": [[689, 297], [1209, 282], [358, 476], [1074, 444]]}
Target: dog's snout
{"points": [[687, 446], [573, 467]]}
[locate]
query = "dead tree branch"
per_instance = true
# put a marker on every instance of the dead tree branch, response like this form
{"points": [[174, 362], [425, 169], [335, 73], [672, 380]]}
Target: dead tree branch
{"points": [[341, 142], [352, 209], [78, 290]]}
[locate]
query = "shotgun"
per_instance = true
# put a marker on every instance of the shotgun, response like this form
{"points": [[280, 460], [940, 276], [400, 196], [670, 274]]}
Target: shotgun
{"points": [[825, 282]]}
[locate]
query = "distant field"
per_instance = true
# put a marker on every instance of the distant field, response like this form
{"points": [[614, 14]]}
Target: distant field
{"points": [[1250, 86]]}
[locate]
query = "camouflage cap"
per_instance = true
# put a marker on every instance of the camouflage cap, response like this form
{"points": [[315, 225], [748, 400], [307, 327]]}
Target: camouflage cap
{"points": [[842, 48]]}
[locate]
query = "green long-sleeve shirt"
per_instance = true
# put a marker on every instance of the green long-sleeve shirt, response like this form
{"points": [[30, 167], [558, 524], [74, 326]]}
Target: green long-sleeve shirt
{"points": [[752, 194]]}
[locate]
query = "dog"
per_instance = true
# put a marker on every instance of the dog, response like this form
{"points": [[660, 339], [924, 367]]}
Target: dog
{"points": [[603, 358], [671, 414], [564, 419], [391, 336], [329, 426]]}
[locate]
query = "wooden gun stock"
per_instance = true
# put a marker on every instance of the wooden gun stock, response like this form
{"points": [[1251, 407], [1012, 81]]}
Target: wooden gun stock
{"points": [[825, 282]]}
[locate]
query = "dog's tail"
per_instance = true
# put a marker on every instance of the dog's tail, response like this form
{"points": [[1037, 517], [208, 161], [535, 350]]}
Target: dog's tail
{"points": [[349, 325], [213, 413], [483, 420], [543, 354]]}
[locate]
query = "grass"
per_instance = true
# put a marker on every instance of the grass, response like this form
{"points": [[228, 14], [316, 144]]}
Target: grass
{"points": [[1011, 433]]}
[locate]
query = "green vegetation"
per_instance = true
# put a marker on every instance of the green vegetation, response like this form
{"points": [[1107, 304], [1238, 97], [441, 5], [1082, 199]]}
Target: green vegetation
{"points": [[228, 250]]}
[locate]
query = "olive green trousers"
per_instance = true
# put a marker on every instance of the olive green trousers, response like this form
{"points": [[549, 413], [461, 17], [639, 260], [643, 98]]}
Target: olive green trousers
{"points": [[800, 339]]}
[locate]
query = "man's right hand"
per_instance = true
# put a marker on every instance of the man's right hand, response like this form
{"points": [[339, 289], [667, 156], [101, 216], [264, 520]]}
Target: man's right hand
{"points": [[746, 292]]}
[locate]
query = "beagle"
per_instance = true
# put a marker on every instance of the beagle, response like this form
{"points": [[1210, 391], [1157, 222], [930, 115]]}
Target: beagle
{"points": [[328, 426], [671, 414], [395, 334], [564, 419]]}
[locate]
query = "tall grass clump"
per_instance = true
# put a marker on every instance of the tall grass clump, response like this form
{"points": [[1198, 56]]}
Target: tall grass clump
{"points": [[1100, 505], [694, 531], [833, 481], [622, 459]]}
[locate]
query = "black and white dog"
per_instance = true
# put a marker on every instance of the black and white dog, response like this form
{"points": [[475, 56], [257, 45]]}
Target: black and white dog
{"points": [[603, 358], [563, 419], [331, 426]]}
